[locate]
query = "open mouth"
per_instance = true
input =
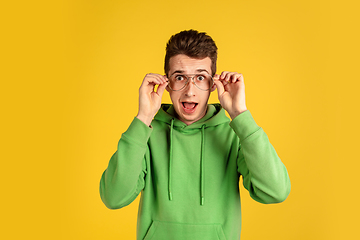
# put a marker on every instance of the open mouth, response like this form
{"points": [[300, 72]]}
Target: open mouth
{"points": [[189, 107]]}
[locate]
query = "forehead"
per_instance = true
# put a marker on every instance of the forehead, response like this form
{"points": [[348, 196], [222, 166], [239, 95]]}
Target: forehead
{"points": [[189, 65]]}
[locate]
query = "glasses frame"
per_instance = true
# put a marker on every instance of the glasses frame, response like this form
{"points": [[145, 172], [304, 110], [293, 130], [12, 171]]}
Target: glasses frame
{"points": [[188, 76]]}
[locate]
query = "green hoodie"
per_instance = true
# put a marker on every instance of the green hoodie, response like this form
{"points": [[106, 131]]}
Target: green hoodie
{"points": [[188, 176]]}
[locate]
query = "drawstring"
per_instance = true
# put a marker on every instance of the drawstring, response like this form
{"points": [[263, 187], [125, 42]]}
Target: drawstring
{"points": [[170, 159], [202, 176], [202, 181]]}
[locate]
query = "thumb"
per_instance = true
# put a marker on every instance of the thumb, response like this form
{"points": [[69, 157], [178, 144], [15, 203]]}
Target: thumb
{"points": [[220, 87], [161, 89]]}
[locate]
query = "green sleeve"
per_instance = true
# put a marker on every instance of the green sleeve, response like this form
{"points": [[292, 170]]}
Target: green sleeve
{"points": [[123, 180], [264, 175]]}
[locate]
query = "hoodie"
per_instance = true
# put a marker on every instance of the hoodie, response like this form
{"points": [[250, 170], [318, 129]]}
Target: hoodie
{"points": [[188, 175]]}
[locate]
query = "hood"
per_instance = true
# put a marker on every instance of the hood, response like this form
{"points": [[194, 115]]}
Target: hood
{"points": [[215, 115]]}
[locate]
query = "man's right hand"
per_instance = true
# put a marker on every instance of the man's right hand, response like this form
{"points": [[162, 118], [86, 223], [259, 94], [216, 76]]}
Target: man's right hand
{"points": [[149, 100]]}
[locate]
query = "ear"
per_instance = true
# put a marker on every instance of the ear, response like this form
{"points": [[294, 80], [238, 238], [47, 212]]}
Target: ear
{"points": [[167, 86], [213, 87]]}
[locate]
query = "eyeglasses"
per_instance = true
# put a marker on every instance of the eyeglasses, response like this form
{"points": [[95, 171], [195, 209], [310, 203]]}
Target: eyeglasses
{"points": [[178, 81]]}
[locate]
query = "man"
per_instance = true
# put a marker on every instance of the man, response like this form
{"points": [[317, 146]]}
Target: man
{"points": [[186, 158]]}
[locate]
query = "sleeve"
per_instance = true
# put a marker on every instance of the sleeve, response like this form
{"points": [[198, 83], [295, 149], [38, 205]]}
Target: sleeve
{"points": [[124, 177], [264, 175]]}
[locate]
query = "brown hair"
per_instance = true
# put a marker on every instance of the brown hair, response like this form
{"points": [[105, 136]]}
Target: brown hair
{"points": [[193, 44]]}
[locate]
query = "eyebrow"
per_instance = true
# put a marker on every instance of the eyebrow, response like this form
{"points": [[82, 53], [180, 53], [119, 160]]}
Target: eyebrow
{"points": [[197, 70]]}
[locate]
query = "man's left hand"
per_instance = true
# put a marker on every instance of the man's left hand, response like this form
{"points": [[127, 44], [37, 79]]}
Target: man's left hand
{"points": [[231, 92]]}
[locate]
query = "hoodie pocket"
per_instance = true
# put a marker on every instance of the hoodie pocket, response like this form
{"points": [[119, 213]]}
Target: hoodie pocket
{"points": [[181, 231]]}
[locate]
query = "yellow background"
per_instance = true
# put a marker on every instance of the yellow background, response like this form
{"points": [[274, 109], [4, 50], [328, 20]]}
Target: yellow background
{"points": [[70, 73]]}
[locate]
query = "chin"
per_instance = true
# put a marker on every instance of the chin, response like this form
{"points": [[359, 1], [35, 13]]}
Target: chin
{"points": [[193, 117]]}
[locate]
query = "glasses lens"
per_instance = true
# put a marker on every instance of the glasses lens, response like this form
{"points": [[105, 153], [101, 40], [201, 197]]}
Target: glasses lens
{"points": [[203, 81], [177, 82]]}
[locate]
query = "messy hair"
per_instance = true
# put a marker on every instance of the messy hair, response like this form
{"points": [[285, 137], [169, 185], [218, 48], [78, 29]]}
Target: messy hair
{"points": [[193, 44]]}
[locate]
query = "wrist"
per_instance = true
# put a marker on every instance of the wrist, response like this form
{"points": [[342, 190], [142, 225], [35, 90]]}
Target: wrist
{"points": [[145, 119], [236, 113]]}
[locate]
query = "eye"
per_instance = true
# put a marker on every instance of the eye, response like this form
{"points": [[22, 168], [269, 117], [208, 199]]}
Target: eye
{"points": [[179, 78], [200, 78]]}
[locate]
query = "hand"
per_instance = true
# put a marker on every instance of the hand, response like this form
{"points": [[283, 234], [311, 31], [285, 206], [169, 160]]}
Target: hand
{"points": [[231, 92], [149, 100]]}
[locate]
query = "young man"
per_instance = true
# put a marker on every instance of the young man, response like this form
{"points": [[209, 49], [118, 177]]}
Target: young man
{"points": [[186, 158]]}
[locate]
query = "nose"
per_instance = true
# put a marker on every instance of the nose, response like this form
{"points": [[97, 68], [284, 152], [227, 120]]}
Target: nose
{"points": [[190, 88]]}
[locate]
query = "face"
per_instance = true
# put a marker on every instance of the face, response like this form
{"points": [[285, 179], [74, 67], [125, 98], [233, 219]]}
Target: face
{"points": [[190, 103]]}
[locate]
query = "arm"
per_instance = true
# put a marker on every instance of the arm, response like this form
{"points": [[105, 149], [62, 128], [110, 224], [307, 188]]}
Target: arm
{"points": [[123, 180], [264, 175]]}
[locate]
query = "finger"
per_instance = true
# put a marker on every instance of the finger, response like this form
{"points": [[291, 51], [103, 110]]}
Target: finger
{"points": [[220, 87], [231, 77], [216, 77], [235, 77], [161, 78], [166, 78], [241, 77], [223, 75], [161, 89], [155, 78], [151, 82], [148, 85]]}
